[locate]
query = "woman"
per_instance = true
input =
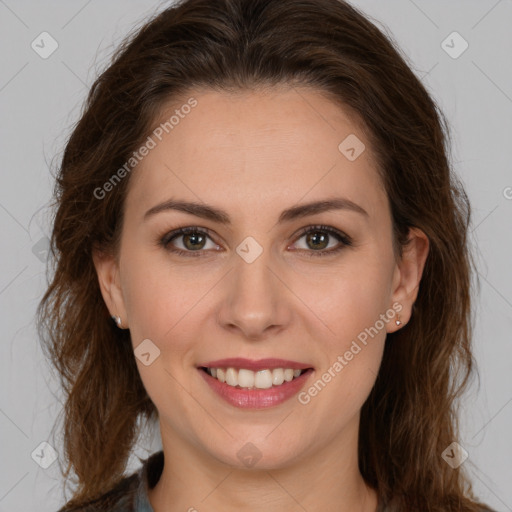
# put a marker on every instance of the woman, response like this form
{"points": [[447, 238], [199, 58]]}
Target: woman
{"points": [[258, 194]]}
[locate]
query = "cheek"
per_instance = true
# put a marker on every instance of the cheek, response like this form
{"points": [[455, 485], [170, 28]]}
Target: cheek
{"points": [[357, 299], [339, 390], [157, 295], [354, 351], [350, 297]]}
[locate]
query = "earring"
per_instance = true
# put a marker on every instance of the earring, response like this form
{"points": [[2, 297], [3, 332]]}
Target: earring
{"points": [[117, 320], [398, 322]]}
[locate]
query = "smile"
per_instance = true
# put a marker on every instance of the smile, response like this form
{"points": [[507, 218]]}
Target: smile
{"points": [[248, 379], [255, 384]]}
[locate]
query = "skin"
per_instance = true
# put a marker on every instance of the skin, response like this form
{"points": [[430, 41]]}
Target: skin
{"points": [[254, 154]]}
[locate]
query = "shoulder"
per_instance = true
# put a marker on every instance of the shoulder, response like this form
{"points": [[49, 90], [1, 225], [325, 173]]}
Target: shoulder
{"points": [[119, 499], [394, 507], [130, 493]]}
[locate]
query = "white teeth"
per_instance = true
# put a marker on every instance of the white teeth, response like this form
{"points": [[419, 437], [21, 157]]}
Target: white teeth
{"points": [[288, 374], [231, 377], [245, 378], [277, 376], [262, 379]]}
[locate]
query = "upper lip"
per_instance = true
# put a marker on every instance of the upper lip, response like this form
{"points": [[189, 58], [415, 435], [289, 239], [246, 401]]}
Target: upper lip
{"points": [[255, 365]]}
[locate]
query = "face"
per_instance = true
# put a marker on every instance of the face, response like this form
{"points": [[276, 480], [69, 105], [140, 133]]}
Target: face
{"points": [[258, 276]]}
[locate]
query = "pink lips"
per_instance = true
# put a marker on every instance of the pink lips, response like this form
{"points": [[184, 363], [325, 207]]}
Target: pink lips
{"points": [[256, 398]]}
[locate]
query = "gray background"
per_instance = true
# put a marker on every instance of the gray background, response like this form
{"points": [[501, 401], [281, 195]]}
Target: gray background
{"points": [[40, 99]]}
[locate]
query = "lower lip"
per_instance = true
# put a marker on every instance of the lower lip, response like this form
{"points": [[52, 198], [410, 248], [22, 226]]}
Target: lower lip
{"points": [[256, 398]]}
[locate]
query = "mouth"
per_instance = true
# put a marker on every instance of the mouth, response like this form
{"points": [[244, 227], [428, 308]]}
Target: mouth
{"points": [[255, 384], [243, 378]]}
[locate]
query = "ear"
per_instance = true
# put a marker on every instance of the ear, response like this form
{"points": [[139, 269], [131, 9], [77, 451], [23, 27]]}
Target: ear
{"points": [[107, 269], [407, 275]]}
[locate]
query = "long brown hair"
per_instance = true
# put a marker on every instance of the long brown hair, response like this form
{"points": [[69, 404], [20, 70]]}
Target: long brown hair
{"points": [[410, 417]]}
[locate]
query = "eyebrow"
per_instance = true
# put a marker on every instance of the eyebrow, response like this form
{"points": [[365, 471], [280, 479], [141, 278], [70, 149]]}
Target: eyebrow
{"points": [[220, 216]]}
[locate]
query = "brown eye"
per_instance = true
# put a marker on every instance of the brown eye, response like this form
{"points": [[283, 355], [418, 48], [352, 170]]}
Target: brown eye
{"points": [[318, 239], [187, 241], [194, 241]]}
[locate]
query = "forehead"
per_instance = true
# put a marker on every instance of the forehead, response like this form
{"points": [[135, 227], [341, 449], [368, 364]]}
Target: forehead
{"points": [[250, 150]]}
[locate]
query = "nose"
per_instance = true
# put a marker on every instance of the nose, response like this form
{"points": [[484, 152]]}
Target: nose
{"points": [[256, 301]]}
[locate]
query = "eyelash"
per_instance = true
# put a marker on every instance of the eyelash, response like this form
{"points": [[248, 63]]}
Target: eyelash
{"points": [[169, 237]]}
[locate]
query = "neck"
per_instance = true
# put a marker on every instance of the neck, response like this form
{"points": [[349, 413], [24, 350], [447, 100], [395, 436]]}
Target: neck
{"points": [[327, 480]]}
